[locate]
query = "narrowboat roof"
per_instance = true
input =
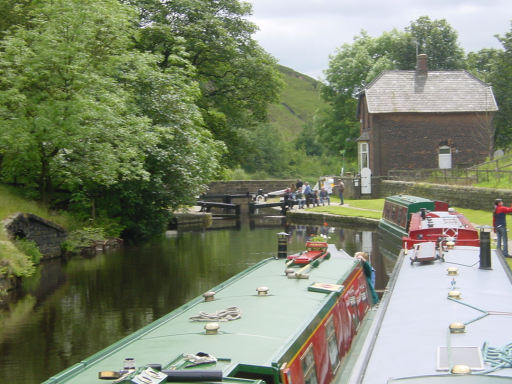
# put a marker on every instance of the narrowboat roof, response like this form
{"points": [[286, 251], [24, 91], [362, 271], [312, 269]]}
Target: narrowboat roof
{"points": [[408, 200], [410, 340], [269, 325]]}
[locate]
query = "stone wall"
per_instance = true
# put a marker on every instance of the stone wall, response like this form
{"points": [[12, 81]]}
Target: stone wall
{"points": [[47, 235], [244, 186], [460, 196]]}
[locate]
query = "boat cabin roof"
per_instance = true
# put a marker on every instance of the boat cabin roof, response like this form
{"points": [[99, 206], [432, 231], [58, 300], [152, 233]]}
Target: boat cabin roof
{"points": [[410, 340], [268, 328], [411, 201]]}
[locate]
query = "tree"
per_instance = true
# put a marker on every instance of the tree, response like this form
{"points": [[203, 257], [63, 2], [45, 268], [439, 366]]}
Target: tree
{"points": [[237, 78], [81, 110], [438, 40], [500, 77], [64, 118]]}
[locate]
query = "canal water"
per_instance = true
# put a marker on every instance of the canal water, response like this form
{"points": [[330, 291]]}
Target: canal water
{"points": [[73, 308]]}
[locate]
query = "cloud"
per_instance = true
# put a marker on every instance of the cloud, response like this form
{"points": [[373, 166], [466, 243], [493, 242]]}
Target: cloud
{"points": [[302, 34]]}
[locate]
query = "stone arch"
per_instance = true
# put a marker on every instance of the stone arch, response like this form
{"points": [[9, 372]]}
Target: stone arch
{"points": [[47, 235]]}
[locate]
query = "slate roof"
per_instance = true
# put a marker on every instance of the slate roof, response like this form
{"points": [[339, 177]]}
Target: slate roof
{"points": [[437, 92]]}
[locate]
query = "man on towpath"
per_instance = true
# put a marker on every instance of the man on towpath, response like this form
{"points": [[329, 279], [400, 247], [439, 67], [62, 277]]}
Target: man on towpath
{"points": [[499, 222]]}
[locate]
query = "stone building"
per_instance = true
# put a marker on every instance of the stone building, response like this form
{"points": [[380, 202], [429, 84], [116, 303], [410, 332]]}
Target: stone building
{"points": [[424, 119]]}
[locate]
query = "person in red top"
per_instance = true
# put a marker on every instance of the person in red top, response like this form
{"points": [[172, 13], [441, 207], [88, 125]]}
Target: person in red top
{"points": [[499, 222]]}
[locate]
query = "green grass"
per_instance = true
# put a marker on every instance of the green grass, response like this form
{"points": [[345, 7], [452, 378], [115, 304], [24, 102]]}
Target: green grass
{"points": [[300, 99], [12, 260]]}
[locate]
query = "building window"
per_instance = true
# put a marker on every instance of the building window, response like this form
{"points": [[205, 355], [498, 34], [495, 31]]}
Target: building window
{"points": [[308, 366], [332, 344], [363, 155]]}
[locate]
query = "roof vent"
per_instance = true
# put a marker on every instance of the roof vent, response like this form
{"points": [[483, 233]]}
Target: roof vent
{"points": [[262, 291], [454, 295], [209, 296], [453, 271], [457, 327], [212, 328], [460, 369]]}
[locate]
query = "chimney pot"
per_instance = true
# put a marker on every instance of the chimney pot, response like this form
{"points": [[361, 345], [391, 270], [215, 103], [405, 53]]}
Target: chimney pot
{"points": [[421, 64]]}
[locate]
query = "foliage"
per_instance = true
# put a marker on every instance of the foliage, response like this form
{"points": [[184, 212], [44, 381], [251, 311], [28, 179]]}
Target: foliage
{"points": [[107, 117], [80, 127], [30, 249], [13, 262], [237, 78], [438, 40], [84, 237]]}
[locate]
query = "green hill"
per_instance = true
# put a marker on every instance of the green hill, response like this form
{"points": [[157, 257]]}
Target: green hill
{"points": [[300, 99]]}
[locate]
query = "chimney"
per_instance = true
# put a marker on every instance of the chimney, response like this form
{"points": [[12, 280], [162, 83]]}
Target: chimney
{"points": [[421, 64]]}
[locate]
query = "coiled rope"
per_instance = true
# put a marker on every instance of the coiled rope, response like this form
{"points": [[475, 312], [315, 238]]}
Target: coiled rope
{"points": [[228, 314], [497, 358]]}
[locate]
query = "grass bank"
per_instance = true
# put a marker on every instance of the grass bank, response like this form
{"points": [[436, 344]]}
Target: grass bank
{"points": [[13, 261]]}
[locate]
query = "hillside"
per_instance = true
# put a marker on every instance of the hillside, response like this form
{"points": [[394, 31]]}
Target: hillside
{"points": [[300, 99]]}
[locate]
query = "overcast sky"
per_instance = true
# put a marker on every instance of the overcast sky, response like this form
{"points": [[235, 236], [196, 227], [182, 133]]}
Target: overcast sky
{"points": [[301, 34]]}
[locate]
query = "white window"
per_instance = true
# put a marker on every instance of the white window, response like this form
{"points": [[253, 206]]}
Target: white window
{"points": [[363, 155]]}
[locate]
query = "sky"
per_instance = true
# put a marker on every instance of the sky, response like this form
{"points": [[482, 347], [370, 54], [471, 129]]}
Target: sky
{"points": [[301, 34]]}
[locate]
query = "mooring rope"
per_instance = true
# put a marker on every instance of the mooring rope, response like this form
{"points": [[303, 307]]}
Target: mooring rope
{"points": [[228, 314], [497, 358]]}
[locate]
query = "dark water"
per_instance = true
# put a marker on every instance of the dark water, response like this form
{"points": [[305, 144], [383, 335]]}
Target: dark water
{"points": [[71, 309]]}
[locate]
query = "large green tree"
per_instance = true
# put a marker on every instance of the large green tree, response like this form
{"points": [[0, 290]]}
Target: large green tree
{"points": [[84, 112], [237, 78]]}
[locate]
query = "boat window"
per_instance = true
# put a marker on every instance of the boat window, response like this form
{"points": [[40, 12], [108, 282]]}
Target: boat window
{"points": [[308, 366], [332, 344]]}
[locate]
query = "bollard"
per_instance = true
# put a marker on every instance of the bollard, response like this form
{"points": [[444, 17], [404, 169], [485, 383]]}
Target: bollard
{"points": [[485, 249], [282, 245]]}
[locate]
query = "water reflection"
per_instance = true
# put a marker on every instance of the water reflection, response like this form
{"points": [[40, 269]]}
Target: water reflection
{"points": [[71, 309]]}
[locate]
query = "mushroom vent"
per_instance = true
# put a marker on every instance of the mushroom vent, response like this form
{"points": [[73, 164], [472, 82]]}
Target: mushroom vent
{"points": [[262, 291]]}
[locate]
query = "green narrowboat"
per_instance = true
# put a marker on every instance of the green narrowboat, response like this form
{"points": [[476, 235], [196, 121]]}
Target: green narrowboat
{"points": [[397, 214], [271, 323]]}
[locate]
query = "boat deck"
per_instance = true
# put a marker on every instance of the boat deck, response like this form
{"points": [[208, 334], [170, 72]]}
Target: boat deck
{"points": [[412, 322], [267, 326]]}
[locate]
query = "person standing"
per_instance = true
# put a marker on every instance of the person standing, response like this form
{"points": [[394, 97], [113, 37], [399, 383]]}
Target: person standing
{"points": [[499, 222], [341, 188]]}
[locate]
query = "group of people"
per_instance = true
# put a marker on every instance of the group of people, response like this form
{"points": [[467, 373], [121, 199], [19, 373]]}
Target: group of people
{"points": [[303, 195]]}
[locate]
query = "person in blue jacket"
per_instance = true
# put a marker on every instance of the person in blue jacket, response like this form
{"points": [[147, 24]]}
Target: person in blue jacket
{"points": [[369, 273]]}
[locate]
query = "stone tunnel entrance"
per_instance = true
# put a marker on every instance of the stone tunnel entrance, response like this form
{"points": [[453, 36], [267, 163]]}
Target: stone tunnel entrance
{"points": [[47, 235]]}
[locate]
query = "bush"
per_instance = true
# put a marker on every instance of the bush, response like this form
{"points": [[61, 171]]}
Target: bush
{"points": [[30, 249], [83, 238]]}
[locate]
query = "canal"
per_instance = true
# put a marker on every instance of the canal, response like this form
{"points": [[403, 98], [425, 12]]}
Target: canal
{"points": [[71, 309]]}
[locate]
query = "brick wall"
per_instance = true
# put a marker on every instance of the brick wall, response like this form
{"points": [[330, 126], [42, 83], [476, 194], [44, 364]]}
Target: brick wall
{"points": [[47, 235], [410, 141]]}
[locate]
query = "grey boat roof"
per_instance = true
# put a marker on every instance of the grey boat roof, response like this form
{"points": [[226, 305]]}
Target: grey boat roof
{"points": [[267, 327], [411, 330]]}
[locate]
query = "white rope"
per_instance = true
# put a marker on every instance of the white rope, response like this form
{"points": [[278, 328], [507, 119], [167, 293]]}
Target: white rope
{"points": [[200, 358], [228, 314]]}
